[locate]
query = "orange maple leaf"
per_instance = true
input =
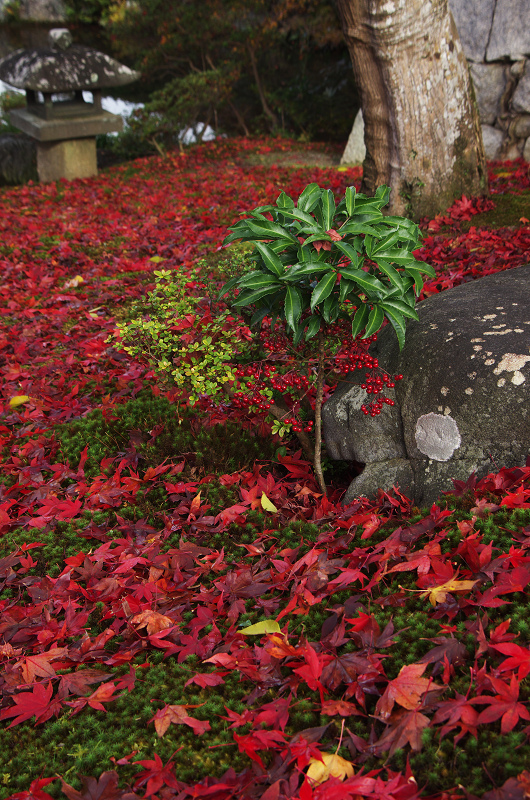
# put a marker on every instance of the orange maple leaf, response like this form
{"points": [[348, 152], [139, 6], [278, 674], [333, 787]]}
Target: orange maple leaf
{"points": [[437, 594]]}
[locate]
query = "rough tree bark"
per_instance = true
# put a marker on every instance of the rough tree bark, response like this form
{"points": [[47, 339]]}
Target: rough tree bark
{"points": [[422, 130]]}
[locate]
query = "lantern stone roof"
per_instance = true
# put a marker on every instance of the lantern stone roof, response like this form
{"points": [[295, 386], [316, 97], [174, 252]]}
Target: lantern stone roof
{"points": [[63, 67]]}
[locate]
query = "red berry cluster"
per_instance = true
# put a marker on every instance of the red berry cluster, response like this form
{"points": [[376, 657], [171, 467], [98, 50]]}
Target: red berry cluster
{"points": [[298, 426], [375, 385]]}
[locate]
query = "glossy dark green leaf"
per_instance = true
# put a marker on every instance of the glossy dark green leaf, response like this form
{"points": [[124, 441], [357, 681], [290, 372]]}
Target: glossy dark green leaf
{"points": [[307, 268], [354, 228], [397, 321], [284, 201], [313, 327], [228, 286], [293, 306], [327, 204], [271, 260], [323, 288], [270, 230], [256, 280], [350, 252], [330, 309], [391, 273], [382, 193], [375, 320], [359, 320], [400, 308], [309, 197], [363, 279], [252, 296], [350, 197], [345, 288]]}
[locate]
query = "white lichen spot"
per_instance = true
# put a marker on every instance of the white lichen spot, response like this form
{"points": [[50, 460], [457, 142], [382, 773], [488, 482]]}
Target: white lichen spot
{"points": [[501, 382], [511, 362], [499, 308], [469, 390], [447, 411], [489, 316], [477, 347], [489, 361], [498, 333], [489, 353], [444, 390], [518, 330], [437, 437], [496, 327], [478, 340], [518, 378], [433, 326]]}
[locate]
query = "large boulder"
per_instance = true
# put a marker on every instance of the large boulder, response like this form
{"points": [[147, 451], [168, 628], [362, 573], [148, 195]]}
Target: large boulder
{"points": [[463, 405]]}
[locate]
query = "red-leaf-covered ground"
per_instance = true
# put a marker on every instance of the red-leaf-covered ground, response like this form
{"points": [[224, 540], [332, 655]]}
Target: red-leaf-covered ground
{"points": [[130, 567]]}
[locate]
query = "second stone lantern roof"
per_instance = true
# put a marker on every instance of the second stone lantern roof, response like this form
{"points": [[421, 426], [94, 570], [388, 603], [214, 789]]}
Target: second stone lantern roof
{"points": [[63, 67]]}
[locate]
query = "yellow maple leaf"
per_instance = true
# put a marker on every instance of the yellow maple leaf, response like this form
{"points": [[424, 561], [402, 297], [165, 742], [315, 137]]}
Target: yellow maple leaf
{"points": [[266, 504], [260, 628], [332, 764], [18, 399], [437, 594]]}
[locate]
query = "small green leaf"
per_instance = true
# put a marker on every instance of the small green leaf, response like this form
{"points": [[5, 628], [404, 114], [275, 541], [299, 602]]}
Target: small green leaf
{"points": [[323, 288], [382, 193], [308, 268], [293, 306], [359, 320]]}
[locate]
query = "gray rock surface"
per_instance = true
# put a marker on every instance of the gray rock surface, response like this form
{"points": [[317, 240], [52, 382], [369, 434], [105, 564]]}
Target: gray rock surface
{"points": [[510, 32], [473, 19], [492, 139], [521, 96], [355, 149], [489, 81], [463, 405]]}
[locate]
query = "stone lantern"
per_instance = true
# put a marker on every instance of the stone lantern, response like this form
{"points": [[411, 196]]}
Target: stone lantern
{"points": [[63, 123]]}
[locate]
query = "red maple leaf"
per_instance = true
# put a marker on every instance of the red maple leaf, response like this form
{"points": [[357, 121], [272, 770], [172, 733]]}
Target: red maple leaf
{"points": [[505, 704], [519, 658], [156, 774], [407, 690], [176, 715], [36, 702]]}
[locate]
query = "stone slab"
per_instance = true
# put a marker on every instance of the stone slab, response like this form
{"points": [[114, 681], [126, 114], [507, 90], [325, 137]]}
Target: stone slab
{"points": [[71, 128], [355, 150], [489, 81], [521, 96], [473, 20], [75, 158], [510, 32]]}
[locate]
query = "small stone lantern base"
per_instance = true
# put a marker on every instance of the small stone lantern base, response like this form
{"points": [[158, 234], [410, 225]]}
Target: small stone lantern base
{"points": [[70, 159]]}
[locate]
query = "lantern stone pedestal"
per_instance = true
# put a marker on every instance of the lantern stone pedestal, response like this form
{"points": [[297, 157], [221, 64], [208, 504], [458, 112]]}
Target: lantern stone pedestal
{"points": [[66, 147]]}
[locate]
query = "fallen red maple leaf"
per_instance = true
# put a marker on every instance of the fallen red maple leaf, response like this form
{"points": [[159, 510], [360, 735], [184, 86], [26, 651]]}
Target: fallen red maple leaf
{"points": [[505, 704], [36, 702], [406, 690], [176, 715]]}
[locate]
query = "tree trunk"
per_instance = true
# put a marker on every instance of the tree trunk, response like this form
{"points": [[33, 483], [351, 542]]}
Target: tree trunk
{"points": [[422, 130]]}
